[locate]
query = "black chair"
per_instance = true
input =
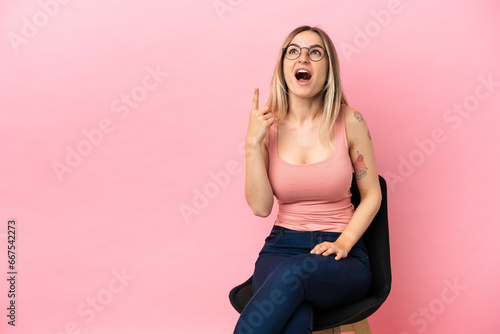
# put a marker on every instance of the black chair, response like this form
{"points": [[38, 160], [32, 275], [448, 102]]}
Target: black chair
{"points": [[353, 316]]}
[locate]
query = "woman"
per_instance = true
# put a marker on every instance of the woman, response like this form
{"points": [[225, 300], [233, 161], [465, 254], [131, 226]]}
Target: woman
{"points": [[314, 255]]}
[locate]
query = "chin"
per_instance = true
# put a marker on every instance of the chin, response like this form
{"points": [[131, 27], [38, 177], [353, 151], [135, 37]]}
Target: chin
{"points": [[305, 92]]}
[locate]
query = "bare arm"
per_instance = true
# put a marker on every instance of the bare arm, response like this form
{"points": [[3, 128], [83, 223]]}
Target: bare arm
{"points": [[258, 191], [365, 169]]}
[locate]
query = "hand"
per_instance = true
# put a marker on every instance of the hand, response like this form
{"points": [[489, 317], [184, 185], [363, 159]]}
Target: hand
{"points": [[260, 121], [327, 248]]}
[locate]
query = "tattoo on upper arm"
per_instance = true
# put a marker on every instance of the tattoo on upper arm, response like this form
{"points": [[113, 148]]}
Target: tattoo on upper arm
{"points": [[358, 116], [369, 135], [360, 168]]}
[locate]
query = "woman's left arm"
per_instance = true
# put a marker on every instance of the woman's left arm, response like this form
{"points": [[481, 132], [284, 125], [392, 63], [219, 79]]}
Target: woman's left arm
{"points": [[365, 170]]}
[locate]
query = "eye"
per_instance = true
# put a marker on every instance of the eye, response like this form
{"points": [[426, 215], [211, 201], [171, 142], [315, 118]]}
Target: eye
{"points": [[292, 51], [316, 52]]}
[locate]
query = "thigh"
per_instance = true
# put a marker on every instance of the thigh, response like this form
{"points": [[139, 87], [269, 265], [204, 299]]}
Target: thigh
{"points": [[324, 281], [331, 283], [334, 283], [320, 280]]}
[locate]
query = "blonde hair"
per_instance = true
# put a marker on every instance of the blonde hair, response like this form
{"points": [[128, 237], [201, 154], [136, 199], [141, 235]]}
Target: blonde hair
{"points": [[332, 94]]}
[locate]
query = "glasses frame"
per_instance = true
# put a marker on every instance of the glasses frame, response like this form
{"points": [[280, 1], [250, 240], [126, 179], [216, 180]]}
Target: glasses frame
{"points": [[308, 51]]}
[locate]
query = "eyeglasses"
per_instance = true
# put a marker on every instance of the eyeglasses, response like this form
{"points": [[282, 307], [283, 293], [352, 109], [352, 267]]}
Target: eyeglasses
{"points": [[314, 52]]}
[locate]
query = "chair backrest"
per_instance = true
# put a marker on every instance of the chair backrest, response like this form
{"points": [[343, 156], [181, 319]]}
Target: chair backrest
{"points": [[376, 239]]}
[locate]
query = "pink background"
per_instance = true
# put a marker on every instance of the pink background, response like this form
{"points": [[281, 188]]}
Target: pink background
{"points": [[171, 142]]}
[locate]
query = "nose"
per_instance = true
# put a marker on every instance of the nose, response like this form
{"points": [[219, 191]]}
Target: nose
{"points": [[303, 57]]}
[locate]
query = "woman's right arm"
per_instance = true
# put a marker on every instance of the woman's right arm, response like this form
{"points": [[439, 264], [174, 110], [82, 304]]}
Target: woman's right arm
{"points": [[258, 191]]}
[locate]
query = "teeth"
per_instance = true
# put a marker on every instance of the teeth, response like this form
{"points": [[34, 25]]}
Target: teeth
{"points": [[302, 71]]}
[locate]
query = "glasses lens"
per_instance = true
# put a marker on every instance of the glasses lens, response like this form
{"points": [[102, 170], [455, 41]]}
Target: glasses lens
{"points": [[292, 52], [316, 54]]}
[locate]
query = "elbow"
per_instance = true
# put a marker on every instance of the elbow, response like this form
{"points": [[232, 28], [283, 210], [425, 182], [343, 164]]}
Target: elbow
{"points": [[260, 207], [262, 210], [373, 197], [261, 213]]}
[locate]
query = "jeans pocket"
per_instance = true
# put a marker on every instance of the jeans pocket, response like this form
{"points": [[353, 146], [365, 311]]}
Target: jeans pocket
{"points": [[360, 255], [328, 237], [272, 237]]}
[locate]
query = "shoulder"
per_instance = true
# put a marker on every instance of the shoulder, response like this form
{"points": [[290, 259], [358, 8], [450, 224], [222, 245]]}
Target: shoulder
{"points": [[355, 123], [352, 116]]}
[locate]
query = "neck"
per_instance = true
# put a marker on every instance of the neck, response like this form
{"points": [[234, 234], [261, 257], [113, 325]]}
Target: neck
{"points": [[304, 111]]}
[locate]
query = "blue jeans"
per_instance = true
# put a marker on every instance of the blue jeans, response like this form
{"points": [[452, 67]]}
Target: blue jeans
{"points": [[289, 281]]}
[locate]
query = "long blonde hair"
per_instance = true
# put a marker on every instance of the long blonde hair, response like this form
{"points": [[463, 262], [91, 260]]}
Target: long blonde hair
{"points": [[332, 95]]}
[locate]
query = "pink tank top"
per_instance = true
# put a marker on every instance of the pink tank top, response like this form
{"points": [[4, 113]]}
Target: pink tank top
{"points": [[317, 196]]}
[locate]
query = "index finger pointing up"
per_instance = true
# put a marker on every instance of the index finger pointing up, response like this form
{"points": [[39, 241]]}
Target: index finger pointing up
{"points": [[255, 104]]}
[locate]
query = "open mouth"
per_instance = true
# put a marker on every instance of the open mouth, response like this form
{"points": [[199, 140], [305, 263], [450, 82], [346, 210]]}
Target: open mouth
{"points": [[303, 76]]}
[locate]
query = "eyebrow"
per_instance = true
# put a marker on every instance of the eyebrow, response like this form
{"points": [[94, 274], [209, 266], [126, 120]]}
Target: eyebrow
{"points": [[311, 46]]}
